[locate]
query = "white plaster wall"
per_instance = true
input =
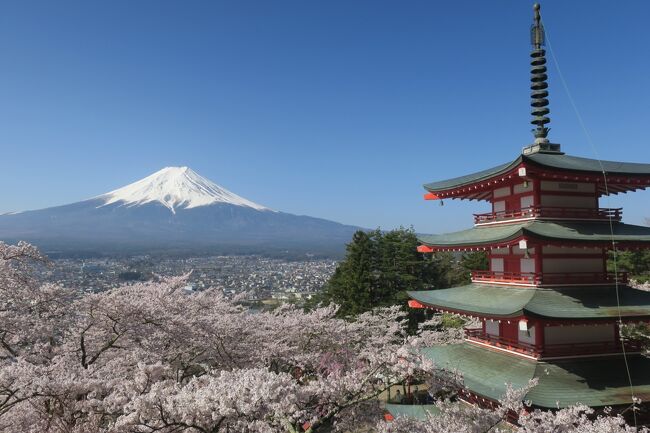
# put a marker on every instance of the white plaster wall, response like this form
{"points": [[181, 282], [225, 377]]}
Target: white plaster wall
{"points": [[519, 188], [502, 192], [499, 206], [527, 265], [492, 327], [527, 201], [505, 250], [519, 251], [527, 336], [569, 201], [578, 334], [497, 265], [547, 185], [573, 265], [566, 250]]}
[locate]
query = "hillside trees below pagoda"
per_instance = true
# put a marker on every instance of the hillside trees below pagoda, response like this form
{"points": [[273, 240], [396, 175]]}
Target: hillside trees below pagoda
{"points": [[636, 263], [379, 267]]}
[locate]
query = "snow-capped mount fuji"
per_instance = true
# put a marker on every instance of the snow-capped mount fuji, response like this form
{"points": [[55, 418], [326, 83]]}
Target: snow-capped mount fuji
{"points": [[173, 210], [176, 187]]}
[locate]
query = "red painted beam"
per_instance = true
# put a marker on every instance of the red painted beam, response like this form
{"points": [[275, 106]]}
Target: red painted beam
{"points": [[424, 249], [431, 196], [415, 304]]}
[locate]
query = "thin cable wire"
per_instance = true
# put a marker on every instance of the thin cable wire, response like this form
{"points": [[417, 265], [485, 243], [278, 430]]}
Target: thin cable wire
{"points": [[611, 223]]}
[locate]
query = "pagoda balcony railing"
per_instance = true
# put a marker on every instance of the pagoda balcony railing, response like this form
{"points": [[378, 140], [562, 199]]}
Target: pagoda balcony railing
{"points": [[552, 350], [551, 213], [549, 278]]}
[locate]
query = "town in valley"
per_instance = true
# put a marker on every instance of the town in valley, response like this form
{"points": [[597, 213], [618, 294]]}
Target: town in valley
{"points": [[263, 278]]}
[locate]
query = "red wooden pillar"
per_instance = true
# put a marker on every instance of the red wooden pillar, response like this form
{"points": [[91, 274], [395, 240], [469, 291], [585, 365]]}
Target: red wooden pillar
{"points": [[510, 331]]}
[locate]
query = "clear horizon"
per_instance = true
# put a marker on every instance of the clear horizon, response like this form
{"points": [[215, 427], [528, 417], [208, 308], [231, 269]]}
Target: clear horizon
{"points": [[335, 110]]}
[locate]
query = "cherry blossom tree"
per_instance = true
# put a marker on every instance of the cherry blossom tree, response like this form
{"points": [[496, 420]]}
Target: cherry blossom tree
{"points": [[150, 357]]}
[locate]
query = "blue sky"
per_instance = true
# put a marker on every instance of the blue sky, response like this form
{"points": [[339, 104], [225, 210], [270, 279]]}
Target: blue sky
{"points": [[337, 109]]}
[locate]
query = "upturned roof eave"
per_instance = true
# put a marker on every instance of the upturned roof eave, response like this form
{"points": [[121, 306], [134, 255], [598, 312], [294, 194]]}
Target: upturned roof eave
{"points": [[534, 314], [475, 236], [569, 233], [561, 162], [472, 244], [513, 307], [587, 165], [469, 179], [563, 303]]}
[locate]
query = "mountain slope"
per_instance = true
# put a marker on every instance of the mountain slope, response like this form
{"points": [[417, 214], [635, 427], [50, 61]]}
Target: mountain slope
{"points": [[173, 209]]}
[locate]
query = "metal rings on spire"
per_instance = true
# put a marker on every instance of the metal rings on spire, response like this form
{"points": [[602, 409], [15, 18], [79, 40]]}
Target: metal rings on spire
{"points": [[538, 84]]}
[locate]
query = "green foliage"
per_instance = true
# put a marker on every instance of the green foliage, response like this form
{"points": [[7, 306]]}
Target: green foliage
{"points": [[637, 263], [451, 321], [459, 270], [476, 261], [379, 267], [636, 332]]}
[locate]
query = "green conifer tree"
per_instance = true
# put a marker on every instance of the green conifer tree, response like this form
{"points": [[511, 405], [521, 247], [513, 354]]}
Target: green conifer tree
{"points": [[378, 269], [354, 282]]}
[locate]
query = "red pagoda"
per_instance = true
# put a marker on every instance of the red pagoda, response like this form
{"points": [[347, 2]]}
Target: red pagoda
{"points": [[548, 307]]}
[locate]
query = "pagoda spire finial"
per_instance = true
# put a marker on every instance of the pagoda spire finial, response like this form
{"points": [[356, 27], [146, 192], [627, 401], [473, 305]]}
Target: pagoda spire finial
{"points": [[538, 84]]}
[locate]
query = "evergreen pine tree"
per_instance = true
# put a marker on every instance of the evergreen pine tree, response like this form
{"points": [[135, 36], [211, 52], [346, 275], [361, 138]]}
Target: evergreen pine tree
{"points": [[380, 267], [354, 282]]}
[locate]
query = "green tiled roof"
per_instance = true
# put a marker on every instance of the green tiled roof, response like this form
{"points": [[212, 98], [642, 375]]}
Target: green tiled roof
{"points": [[470, 178], [580, 232], [412, 410], [559, 303], [478, 298], [485, 372], [595, 382], [568, 162], [551, 160]]}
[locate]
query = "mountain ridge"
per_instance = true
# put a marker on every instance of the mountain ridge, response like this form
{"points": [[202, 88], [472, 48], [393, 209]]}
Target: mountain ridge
{"points": [[174, 208]]}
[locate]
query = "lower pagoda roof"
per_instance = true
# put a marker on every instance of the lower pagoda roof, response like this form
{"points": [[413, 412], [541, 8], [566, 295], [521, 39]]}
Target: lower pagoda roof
{"points": [[595, 382], [582, 303], [583, 232]]}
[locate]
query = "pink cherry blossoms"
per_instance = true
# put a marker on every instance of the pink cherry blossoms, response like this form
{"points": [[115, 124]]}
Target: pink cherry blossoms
{"points": [[150, 357]]}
